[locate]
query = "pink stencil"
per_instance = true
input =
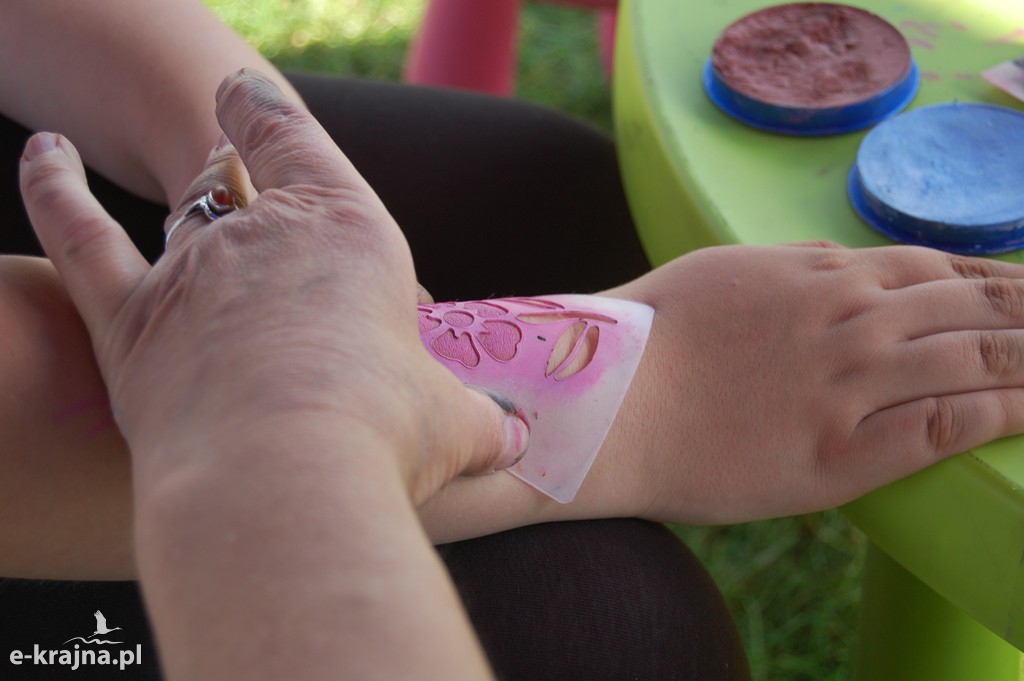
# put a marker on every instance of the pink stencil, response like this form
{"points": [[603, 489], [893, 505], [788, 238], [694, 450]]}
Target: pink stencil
{"points": [[566, 361]]}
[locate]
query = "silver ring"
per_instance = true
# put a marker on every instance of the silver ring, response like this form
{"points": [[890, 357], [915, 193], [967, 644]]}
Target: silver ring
{"points": [[213, 204]]}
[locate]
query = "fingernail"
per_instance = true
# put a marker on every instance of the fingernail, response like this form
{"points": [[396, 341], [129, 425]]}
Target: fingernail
{"points": [[517, 432], [517, 441], [227, 82], [39, 144], [244, 73]]}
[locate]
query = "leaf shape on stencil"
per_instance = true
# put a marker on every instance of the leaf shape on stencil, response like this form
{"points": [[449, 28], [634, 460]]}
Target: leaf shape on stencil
{"points": [[573, 351], [549, 317]]}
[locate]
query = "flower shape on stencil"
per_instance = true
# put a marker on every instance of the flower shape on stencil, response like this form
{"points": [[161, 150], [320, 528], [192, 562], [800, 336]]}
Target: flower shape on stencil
{"points": [[470, 328], [467, 332]]}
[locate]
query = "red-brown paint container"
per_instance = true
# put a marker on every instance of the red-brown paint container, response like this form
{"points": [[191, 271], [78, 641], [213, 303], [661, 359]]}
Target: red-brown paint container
{"points": [[811, 69]]}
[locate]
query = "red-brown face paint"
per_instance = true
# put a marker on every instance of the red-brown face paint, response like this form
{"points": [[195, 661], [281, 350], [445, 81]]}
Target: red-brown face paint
{"points": [[811, 55]]}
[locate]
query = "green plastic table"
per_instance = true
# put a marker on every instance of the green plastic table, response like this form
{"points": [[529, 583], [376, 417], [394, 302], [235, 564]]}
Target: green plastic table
{"points": [[948, 543]]}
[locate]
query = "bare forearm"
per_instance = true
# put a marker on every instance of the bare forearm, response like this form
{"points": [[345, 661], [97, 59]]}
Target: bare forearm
{"points": [[131, 82], [65, 490], [309, 534]]}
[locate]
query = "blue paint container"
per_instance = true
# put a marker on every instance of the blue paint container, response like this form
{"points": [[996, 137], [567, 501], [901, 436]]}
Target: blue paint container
{"points": [[948, 176], [811, 69]]}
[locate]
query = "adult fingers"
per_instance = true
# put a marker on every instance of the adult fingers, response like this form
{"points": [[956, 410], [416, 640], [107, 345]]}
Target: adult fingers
{"points": [[478, 432], [223, 180], [423, 296], [279, 141], [501, 435], [96, 260]]}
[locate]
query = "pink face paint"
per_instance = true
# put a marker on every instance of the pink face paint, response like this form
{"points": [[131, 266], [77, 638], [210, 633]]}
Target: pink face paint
{"points": [[565, 360]]}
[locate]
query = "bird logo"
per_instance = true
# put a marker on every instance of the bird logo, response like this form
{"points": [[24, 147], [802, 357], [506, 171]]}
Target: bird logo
{"points": [[101, 629]]}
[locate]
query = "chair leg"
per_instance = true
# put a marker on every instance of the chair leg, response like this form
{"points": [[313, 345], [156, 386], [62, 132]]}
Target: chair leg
{"points": [[910, 633], [606, 22], [468, 44]]}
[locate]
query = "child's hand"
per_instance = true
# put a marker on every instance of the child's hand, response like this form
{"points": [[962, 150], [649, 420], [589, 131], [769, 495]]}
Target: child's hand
{"points": [[781, 380]]}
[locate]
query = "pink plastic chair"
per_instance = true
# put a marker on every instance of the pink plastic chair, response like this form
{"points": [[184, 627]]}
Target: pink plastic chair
{"points": [[471, 44]]}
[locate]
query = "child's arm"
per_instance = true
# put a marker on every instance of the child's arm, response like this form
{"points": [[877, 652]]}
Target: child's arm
{"points": [[777, 380], [132, 83], [782, 380]]}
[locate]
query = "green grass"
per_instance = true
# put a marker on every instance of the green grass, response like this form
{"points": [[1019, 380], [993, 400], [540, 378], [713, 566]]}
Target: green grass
{"points": [[559, 57], [792, 584]]}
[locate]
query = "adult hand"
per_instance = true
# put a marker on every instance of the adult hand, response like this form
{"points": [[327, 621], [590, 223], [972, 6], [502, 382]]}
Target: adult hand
{"points": [[301, 304], [280, 409]]}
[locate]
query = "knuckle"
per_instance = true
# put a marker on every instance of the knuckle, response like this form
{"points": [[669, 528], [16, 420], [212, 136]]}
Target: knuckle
{"points": [[830, 261], [970, 268], [84, 231], [943, 424], [282, 203], [826, 256], [854, 309], [267, 129], [83, 237], [822, 243], [1004, 296], [357, 220], [354, 219], [998, 355], [42, 187], [255, 95]]}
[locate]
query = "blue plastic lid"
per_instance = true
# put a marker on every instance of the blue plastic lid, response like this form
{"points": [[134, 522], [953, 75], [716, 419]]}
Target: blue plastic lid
{"points": [[948, 176], [809, 122]]}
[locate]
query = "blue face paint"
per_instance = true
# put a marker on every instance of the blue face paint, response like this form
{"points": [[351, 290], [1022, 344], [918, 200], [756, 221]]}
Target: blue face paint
{"points": [[948, 176]]}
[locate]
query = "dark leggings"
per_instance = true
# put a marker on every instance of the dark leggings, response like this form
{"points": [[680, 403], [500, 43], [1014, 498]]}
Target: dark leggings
{"points": [[496, 197]]}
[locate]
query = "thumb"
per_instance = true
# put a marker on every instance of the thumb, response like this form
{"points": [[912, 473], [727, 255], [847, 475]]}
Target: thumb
{"points": [[96, 260], [477, 433], [511, 433], [488, 432]]}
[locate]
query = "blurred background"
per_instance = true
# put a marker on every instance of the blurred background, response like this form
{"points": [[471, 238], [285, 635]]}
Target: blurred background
{"points": [[793, 583]]}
